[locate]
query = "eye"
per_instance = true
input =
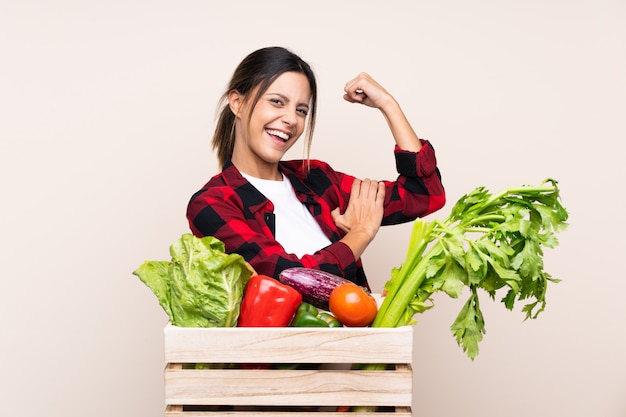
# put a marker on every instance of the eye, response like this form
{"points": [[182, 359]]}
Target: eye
{"points": [[303, 111], [276, 101]]}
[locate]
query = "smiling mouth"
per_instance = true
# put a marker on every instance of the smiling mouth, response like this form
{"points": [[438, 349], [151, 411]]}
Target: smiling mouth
{"points": [[277, 133]]}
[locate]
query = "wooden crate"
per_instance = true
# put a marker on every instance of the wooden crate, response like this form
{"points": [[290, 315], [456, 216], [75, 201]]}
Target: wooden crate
{"points": [[324, 378]]}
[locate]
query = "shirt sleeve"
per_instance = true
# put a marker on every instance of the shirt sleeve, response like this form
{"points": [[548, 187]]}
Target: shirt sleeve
{"points": [[418, 190]]}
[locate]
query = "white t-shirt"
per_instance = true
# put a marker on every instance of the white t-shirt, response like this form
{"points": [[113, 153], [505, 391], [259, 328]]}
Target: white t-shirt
{"points": [[296, 229]]}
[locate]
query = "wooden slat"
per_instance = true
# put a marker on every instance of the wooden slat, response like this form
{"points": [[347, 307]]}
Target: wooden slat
{"points": [[400, 412], [288, 387], [288, 345]]}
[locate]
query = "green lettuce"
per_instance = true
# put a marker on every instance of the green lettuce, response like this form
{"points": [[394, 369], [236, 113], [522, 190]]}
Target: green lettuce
{"points": [[202, 286]]}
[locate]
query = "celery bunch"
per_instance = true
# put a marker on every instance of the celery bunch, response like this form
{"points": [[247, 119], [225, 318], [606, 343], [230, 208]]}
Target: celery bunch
{"points": [[488, 242]]}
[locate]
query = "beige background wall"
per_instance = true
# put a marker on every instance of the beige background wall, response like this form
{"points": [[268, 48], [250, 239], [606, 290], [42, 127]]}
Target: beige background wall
{"points": [[106, 112]]}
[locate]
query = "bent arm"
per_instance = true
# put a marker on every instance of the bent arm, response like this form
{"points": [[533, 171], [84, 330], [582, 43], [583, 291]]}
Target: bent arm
{"points": [[363, 89], [401, 129]]}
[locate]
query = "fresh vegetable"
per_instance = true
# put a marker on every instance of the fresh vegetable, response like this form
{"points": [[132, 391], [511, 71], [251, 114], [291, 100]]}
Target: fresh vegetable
{"points": [[352, 306], [201, 286], [489, 242], [314, 285], [307, 315], [331, 320], [252, 270], [268, 303]]}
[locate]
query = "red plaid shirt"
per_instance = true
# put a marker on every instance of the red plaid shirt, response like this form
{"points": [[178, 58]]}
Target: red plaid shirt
{"points": [[229, 208]]}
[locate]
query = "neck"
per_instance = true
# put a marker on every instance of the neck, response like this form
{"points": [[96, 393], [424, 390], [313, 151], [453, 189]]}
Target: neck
{"points": [[257, 170]]}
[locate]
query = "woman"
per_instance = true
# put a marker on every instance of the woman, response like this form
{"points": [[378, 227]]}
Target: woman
{"points": [[280, 214]]}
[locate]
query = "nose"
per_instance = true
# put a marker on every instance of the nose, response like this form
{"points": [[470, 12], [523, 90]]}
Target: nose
{"points": [[289, 116]]}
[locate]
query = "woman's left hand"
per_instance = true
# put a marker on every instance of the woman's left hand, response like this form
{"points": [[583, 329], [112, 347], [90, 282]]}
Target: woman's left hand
{"points": [[365, 208]]}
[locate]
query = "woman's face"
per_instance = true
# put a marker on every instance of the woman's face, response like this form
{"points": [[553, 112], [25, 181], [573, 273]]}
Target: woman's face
{"points": [[276, 123]]}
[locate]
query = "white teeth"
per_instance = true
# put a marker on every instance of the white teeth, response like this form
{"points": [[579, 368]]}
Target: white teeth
{"points": [[282, 135]]}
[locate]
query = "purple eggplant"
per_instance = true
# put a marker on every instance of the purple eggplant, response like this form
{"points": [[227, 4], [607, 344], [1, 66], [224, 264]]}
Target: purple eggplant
{"points": [[314, 285]]}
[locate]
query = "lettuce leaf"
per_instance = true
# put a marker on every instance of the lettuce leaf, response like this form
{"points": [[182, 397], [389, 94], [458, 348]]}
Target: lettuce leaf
{"points": [[202, 286]]}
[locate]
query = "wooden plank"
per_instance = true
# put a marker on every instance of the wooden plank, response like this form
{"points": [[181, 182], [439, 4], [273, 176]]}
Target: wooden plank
{"points": [[288, 387], [288, 345], [405, 412]]}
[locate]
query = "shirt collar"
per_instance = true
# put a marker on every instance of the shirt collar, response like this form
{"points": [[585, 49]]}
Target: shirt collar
{"points": [[252, 197]]}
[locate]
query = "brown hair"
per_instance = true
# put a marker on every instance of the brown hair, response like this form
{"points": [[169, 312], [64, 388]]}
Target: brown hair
{"points": [[260, 68]]}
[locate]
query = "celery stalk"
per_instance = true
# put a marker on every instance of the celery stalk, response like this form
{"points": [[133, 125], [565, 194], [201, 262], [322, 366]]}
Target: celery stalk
{"points": [[489, 242]]}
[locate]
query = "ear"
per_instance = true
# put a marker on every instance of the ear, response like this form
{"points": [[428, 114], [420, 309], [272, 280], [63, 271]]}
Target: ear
{"points": [[235, 102]]}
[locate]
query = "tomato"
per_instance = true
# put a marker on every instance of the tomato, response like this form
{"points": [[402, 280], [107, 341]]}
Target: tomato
{"points": [[352, 306]]}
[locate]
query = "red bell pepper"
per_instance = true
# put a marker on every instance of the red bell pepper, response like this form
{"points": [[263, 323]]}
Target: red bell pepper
{"points": [[268, 303]]}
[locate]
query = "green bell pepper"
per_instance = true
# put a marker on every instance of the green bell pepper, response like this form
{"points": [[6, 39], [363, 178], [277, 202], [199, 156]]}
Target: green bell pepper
{"points": [[330, 319], [308, 315]]}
